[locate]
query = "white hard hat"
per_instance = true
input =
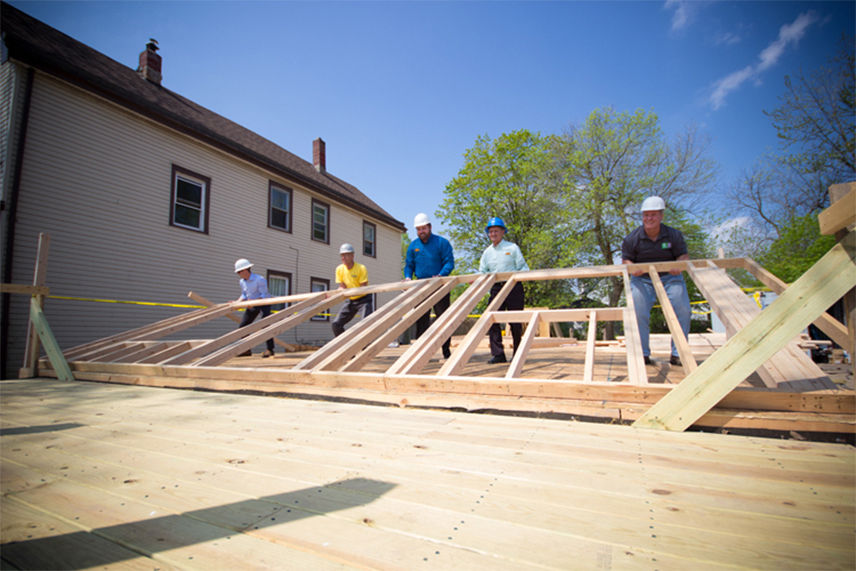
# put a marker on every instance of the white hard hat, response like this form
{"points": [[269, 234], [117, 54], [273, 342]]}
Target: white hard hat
{"points": [[346, 249], [242, 264], [421, 220], [653, 203]]}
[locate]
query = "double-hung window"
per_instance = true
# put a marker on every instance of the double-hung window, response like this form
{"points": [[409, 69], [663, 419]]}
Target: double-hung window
{"points": [[279, 285], [369, 243], [320, 221], [279, 211], [320, 284], [191, 194]]}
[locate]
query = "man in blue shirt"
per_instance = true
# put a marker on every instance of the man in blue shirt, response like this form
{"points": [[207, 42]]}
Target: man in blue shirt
{"points": [[253, 286], [656, 242], [428, 256], [502, 256]]}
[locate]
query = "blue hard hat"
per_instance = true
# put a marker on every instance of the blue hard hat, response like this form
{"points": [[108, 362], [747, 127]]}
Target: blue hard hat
{"points": [[495, 221]]}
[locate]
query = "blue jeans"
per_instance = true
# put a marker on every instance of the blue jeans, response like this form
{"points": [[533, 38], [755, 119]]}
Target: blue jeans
{"points": [[644, 297]]}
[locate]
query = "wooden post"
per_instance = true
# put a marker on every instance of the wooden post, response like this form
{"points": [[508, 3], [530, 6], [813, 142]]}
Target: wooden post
{"points": [[30, 367], [841, 214]]}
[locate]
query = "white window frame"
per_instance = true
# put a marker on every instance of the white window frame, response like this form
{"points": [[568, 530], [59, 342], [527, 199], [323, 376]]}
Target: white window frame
{"points": [[204, 184]]}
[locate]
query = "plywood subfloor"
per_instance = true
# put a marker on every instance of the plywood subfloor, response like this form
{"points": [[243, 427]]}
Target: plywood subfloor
{"points": [[97, 475]]}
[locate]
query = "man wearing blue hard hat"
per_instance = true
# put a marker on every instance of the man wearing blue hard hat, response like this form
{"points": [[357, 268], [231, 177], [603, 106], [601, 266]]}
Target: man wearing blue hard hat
{"points": [[656, 242], [502, 256]]}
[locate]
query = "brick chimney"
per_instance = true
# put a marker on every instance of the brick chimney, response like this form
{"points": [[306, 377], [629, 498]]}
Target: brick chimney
{"points": [[319, 155], [150, 63]]}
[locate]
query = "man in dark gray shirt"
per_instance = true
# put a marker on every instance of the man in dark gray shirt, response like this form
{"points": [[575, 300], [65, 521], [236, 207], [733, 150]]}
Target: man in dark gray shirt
{"points": [[656, 242]]}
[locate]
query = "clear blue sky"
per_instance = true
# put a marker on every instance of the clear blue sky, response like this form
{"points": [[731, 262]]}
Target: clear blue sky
{"points": [[400, 90]]}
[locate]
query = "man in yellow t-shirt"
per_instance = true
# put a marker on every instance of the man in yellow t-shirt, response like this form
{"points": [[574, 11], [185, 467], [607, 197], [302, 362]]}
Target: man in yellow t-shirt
{"points": [[350, 274]]}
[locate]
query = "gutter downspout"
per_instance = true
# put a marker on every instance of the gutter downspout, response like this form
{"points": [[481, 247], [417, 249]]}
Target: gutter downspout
{"points": [[11, 216]]}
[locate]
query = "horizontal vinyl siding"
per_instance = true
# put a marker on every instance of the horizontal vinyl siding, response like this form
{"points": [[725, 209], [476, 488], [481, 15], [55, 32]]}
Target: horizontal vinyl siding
{"points": [[98, 179]]}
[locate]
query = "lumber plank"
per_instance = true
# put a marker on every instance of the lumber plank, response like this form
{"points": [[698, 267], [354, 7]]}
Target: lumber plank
{"points": [[207, 303], [241, 334], [790, 368], [841, 213], [408, 319], [270, 326], [24, 289], [635, 360], [591, 338], [459, 358], [683, 347], [31, 349], [829, 278], [826, 323], [414, 359], [341, 349], [40, 325], [516, 366]]}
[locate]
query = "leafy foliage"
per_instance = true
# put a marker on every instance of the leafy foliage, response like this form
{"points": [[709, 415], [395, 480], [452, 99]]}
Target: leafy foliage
{"points": [[798, 247]]}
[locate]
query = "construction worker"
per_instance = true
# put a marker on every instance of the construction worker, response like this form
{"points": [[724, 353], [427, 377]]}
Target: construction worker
{"points": [[350, 274], [656, 242], [502, 256], [429, 255], [253, 286]]}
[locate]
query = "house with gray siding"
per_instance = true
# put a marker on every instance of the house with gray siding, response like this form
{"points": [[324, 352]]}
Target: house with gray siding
{"points": [[147, 196]]}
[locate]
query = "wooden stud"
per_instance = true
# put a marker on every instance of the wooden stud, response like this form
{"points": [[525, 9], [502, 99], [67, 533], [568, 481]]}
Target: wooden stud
{"points": [[41, 327], [842, 212], [636, 372], [519, 359], [686, 354], [588, 371], [468, 346], [408, 319]]}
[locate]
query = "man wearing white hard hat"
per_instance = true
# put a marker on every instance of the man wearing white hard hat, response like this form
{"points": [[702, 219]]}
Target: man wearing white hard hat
{"points": [[656, 242], [350, 274], [253, 286], [429, 255], [502, 256]]}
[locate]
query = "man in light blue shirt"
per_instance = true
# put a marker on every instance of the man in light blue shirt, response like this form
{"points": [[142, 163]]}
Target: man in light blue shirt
{"points": [[429, 255], [502, 256], [253, 286]]}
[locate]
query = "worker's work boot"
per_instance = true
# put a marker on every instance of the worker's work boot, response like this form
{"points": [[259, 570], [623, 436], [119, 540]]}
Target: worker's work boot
{"points": [[267, 353]]}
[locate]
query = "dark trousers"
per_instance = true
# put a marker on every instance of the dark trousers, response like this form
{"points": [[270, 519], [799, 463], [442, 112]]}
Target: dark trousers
{"points": [[513, 301], [250, 315], [425, 321], [349, 310]]}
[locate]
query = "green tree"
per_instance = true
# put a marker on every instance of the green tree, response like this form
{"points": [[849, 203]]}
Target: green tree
{"points": [[798, 247], [610, 164], [512, 177]]}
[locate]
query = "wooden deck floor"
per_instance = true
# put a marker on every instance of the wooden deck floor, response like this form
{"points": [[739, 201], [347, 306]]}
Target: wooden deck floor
{"points": [[109, 476]]}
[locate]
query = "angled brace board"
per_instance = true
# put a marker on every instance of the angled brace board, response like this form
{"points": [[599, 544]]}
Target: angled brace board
{"points": [[341, 349], [41, 327], [272, 327], [792, 368], [414, 359], [826, 323], [681, 343], [827, 280], [468, 346], [199, 299], [408, 319], [243, 332]]}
